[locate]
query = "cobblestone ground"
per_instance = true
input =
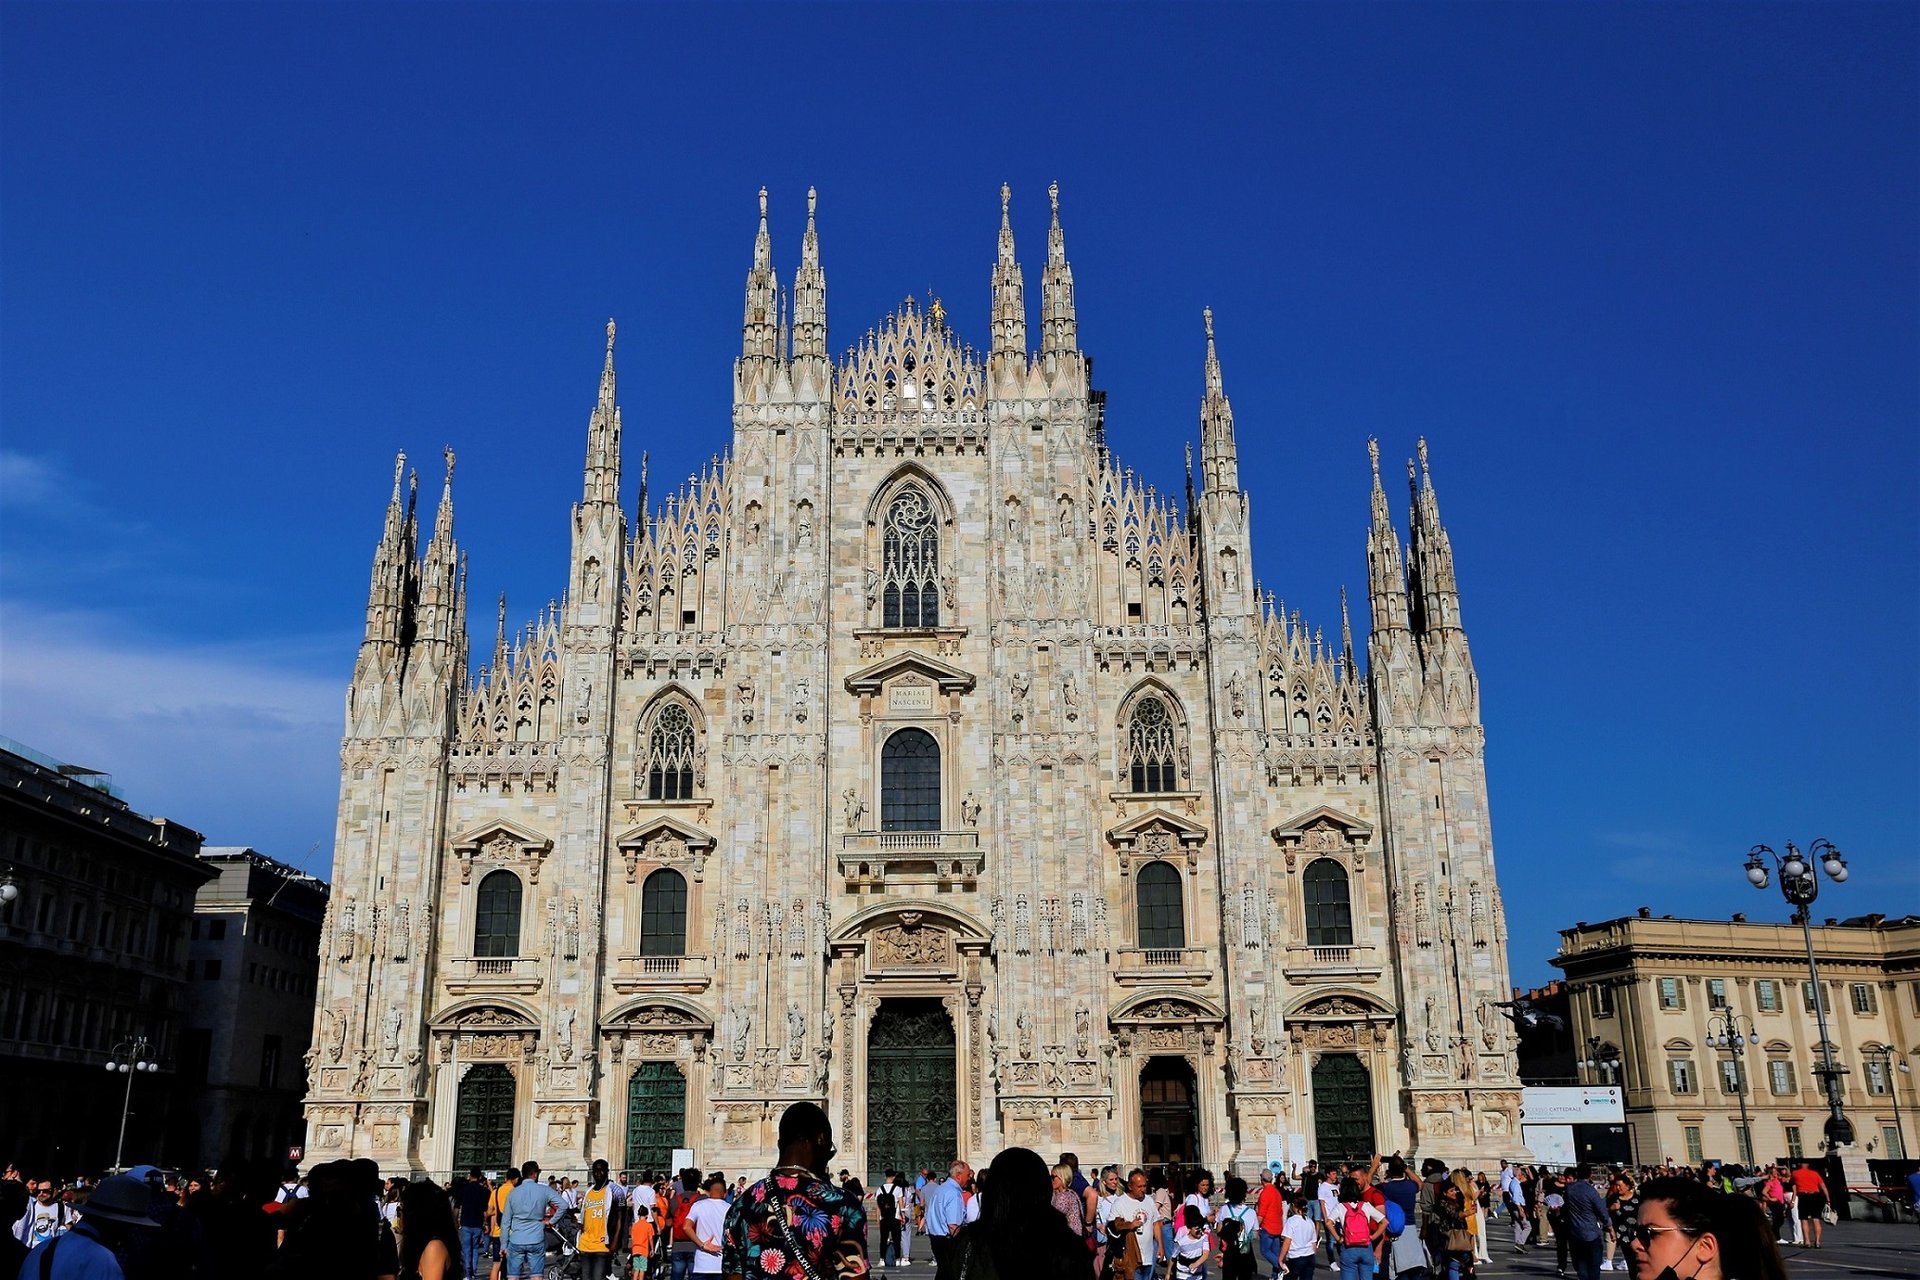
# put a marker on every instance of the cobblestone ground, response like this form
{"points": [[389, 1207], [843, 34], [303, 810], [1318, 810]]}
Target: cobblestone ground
{"points": [[1875, 1250]]}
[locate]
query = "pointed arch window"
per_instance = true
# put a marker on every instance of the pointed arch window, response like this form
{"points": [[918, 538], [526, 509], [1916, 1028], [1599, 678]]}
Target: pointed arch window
{"points": [[496, 921], [1162, 924], [670, 754], [1150, 750], [1329, 908], [910, 561], [910, 782], [663, 914]]}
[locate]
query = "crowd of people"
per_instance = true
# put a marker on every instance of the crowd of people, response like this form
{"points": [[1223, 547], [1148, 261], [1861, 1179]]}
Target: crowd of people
{"points": [[1018, 1217]]}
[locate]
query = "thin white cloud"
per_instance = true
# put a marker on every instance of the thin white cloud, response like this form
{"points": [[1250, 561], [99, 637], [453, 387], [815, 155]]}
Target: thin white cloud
{"points": [[239, 743], [27, 481]]}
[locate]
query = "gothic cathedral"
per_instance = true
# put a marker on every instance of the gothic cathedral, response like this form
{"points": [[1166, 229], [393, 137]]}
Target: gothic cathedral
{"points": [[917, 759]]}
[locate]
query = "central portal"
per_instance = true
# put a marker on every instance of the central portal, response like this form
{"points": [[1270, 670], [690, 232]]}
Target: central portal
{"points": [[912, 1091], [1169, 1119]]}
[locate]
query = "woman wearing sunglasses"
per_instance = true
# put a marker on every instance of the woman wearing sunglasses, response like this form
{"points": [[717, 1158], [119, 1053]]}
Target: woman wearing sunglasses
{"points": [[1688, 1231]]}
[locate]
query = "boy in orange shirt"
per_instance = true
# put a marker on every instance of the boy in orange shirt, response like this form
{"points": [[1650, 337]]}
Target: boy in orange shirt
{"points": [[641, 1238]]}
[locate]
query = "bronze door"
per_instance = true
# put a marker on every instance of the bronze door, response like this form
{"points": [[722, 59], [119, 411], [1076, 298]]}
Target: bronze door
{"points": [[1342, 1110], [1169, 1120], [912, 1116], [656, 1116], [483, 1127]]}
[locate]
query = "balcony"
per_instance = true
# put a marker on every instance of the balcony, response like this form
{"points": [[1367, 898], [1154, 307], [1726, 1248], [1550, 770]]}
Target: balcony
{"points": [[1163, 966], [690, 975], [869, 860], [492, 975], [1318, 964]]}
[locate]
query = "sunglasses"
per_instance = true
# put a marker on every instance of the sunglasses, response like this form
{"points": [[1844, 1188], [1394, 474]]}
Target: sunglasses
{"points": [[1643, 1235]]}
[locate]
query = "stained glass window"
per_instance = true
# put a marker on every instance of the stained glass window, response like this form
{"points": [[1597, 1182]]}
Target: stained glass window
{"points": [[910, 782], [910, 572], [663, 914], [1162, 923], [496, 928], [1150, 757], [1329, 910]]}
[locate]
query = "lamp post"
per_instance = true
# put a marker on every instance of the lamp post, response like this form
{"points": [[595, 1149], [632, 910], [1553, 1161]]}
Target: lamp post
{"points": [[1733, 1032], [1800, 885], [1604, 1065], [129, 1059], [1884, 1056]]}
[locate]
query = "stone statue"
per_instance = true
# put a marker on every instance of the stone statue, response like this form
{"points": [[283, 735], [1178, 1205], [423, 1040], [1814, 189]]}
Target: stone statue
{"points": [[1023, 1028], [591, 578], [970, 810], [563, 1031], [873, 588], [796, 1030], [1066, 516], [390, 1032], [1070, 696], [742, 1020], [361, 1072], [1082, 1032], [854, 808], [1237, 694], [744, 691]]}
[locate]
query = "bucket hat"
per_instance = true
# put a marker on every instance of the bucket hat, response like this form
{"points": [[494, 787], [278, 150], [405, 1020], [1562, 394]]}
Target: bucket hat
{"points": [[121, 1198]]}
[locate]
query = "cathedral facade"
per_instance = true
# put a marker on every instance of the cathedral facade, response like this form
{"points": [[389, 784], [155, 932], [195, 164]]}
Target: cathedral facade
{"points": [[917, 759]]}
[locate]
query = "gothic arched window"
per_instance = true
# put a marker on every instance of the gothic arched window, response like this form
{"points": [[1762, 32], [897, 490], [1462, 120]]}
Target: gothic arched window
{"points": [[663, 914], [670, 751], [1329, 911], [1150, 754], [496, 919], [910, 782], [910, 561], [1163, 925]]}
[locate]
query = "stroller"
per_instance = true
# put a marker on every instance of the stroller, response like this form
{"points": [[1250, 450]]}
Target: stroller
{"points": [[562, 1257]]}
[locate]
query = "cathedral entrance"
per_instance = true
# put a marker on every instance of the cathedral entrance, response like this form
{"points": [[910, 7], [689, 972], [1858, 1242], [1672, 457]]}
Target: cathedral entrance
{"points": [[1342, 1110], [483, 1125], [912, 1089], [656, 1116], [1169, 1118]]}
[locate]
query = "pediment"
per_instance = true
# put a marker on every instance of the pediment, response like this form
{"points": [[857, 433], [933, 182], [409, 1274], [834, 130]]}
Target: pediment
{"points": [[1130, 833], [1165, 1005], [1298, 827], [664, 828], [871, 679], [499, 834]]}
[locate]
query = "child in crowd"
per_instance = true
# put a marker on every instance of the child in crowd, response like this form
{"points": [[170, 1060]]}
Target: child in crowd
{"points": [[1192, 1245], [642, 1241]]}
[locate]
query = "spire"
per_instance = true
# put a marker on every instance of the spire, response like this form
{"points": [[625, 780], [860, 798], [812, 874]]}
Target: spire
{"points": [[759, 334], [1059, 331], [1435, 602], [1192, 510], [500, 639], [388, 603], [1219, 458], [602, 484], [810, 296], [1386, 587], [645, 517], [437, 617], [1009, 293]]}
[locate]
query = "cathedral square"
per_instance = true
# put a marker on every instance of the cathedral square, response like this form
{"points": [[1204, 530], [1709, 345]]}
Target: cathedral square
{"points": [[920, 759]]}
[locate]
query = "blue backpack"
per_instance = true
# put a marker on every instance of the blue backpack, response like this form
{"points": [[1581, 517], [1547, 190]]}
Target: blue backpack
{"points": [[1396, 1218]]}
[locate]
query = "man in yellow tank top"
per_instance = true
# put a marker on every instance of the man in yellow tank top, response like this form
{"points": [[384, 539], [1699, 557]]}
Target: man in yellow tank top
{"points": [[602, 1213]]}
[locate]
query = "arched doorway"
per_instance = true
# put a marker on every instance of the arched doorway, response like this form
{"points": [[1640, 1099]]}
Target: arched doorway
{"points": [[912, 1095], [656, 1115], [483, 1124], [1169, 1116], [1342, 1109]]}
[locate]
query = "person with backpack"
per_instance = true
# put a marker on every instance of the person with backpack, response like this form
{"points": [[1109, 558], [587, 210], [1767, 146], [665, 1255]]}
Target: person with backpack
{"points": [[682, 1249], [886, 1201], [1237, 1227], [1404, 1254], [1359, 1227]]}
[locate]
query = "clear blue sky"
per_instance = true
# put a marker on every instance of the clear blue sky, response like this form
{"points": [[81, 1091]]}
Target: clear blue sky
{"points": [[1644, 276]]}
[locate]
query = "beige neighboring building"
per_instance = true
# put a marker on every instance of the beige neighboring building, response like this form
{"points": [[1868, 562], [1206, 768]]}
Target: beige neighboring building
{"points": [[917, 758], [1651, 989]]}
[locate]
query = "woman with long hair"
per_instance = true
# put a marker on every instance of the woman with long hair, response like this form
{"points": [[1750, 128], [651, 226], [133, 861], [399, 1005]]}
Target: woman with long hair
{"points": [[1302, 1232], [1358, 1226], [1688, 1231], [1020, 1233], [430, 1247]]}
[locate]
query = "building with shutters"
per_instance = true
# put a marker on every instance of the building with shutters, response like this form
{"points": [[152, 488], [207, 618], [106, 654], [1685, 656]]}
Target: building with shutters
{"points": [[919, 759]]}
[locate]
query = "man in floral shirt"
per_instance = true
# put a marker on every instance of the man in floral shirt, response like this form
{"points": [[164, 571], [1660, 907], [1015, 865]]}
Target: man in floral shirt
{"points": [[794, 1210]]}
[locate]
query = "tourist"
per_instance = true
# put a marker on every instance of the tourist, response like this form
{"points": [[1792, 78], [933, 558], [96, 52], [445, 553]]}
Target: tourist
{"points": [[1623, 1206], [1810, 1202], [706, 1226], [433, 1245], [1300, 1232], [681, 1250], [497, 1213], [337, 1232], [947, 1209], [1162, 1184], [1128, 1222], [1238, 1229], [1068, 1202], [603, 1208], [886, 1203], [1687, 1229], [1449, 1220], [1106, 1188], [1588, 1224], [1020, 1231], [471, 1197], [1271, 1208], [46, 1216], [794, 1223], [640, 1241], [1358, 1226], [88, 1249], [523, 1227], [906, 1200], [1192, 1244]]}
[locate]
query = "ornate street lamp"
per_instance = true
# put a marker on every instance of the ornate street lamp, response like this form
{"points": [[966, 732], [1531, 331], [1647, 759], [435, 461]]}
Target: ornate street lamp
{"points": [[1894, 1070], [1800, 885], [1732, 1033], [129, 1059], [1605, 1065]]}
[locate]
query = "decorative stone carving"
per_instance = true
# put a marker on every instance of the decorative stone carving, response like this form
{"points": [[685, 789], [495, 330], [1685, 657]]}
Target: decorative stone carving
{"points": [[912, 947]]}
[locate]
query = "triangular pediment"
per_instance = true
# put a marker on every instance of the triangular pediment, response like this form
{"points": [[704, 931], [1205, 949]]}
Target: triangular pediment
{"points": [[498, 832], [664, 827], [871, 679], [1296, 827], [1130, 832]]}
